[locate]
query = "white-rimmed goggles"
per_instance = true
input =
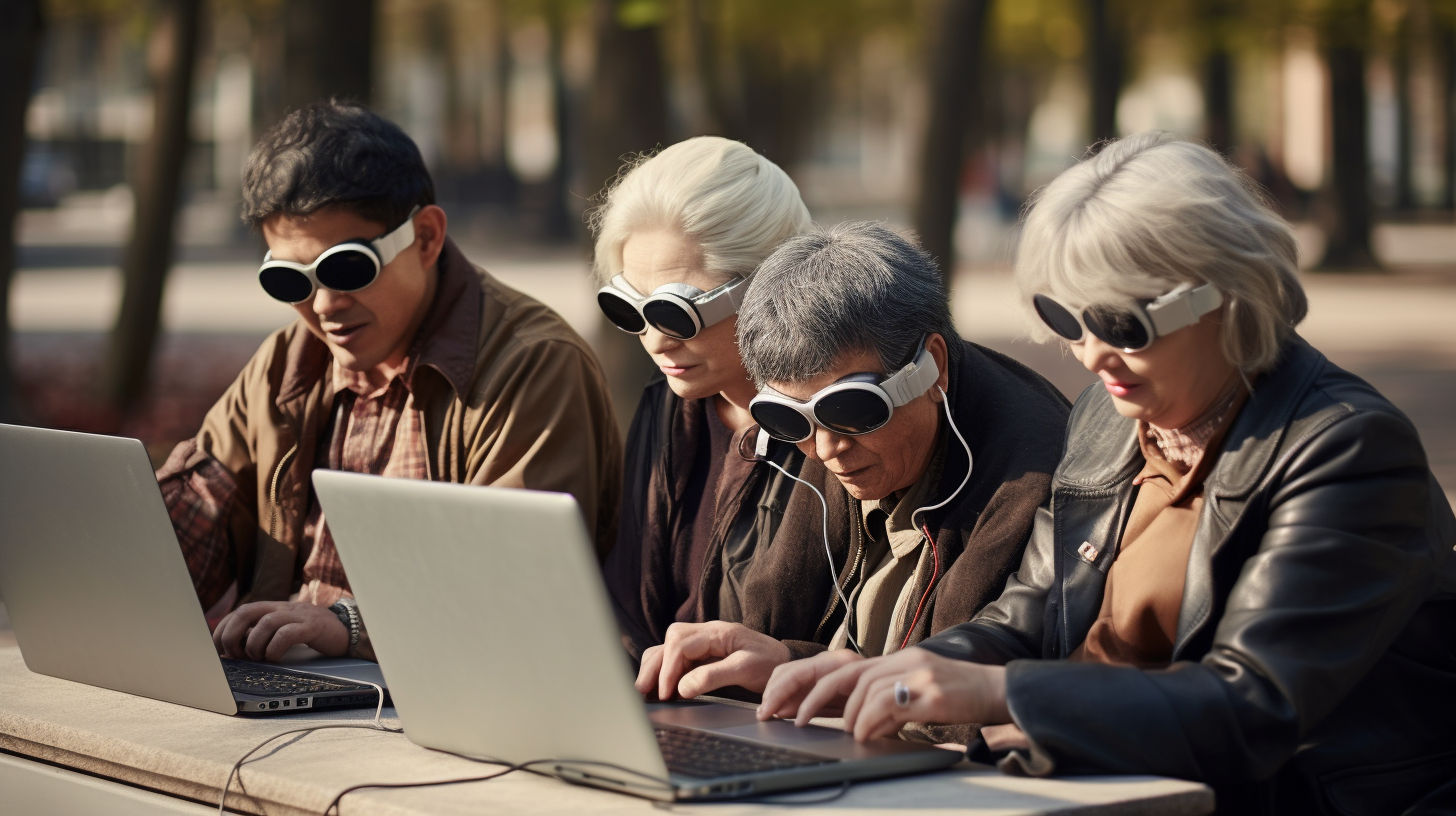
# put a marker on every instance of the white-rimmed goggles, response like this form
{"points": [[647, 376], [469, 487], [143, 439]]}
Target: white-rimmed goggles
{"points": [[1130, 328], [675, 309], [347, 267], [857, 404]]}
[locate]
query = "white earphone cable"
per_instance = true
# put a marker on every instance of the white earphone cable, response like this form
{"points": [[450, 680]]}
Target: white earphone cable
{"points": [[970, 461], [833, 574]]}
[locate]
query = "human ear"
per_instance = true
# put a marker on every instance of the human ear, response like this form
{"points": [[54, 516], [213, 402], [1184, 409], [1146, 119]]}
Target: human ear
{"points": [[430, 226], [935, 344]]}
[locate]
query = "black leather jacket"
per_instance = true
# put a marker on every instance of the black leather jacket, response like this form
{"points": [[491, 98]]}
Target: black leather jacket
{"points": [[1315, 664]]}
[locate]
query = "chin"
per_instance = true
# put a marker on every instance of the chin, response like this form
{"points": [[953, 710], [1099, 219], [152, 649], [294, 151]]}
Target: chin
{"points": [[689, 390], [1131, 410], [349, 361], [865, 492]]}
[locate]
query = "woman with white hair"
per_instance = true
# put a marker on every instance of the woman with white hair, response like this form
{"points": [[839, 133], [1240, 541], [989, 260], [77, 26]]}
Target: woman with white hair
{"points": [[1245, 575], [677, 239]]}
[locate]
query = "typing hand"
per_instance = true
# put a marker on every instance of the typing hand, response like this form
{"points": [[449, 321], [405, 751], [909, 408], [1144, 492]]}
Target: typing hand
{"points": [[792, 681], [937, 690], [699, 657], [266, 629]]}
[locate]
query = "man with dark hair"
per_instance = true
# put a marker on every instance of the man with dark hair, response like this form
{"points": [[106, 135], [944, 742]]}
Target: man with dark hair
{"points": [[406, 361]]}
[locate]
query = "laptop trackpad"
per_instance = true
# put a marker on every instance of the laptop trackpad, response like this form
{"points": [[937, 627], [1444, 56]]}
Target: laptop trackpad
{"points": [[302, 658], [733, 721], [782, 732]]}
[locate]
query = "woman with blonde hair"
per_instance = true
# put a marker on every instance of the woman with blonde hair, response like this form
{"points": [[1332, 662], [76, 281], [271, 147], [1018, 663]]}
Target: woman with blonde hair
{"points": [[1245, 573], [678, 237]]}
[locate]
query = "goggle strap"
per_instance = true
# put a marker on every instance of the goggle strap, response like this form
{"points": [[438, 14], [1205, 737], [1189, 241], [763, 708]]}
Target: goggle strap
{"points": [[720, 303], [389, 246], [913, 380], [1182, 307]]}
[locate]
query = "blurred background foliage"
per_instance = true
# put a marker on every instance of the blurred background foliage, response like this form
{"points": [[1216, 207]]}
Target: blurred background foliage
{"points": [[133, 118]]}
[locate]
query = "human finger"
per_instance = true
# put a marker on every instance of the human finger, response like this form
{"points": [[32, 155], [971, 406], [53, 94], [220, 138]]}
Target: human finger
{"points": [[879, 713], [256, 645], [648, 671], [898, 663], [832, 687], [686, 644], [790, 682], [233, 629], [741, 668], [285, 638]]}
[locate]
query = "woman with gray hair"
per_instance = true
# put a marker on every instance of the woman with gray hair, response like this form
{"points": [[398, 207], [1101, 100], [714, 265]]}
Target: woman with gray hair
{"points": [[861, 371], [678, 238], [1245, 575]]}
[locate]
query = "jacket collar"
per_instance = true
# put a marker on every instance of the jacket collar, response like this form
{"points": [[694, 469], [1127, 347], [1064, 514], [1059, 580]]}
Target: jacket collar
{"points": [[446, 340], [1113, 456]]}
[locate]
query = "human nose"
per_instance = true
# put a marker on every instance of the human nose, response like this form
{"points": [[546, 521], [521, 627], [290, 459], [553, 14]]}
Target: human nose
{"points": [[1095, 354], [826, 444], [656, 342], [329, 302]]}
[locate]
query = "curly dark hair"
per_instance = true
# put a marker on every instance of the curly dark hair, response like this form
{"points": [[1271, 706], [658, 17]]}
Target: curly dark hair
{"points": [[335, 153]]}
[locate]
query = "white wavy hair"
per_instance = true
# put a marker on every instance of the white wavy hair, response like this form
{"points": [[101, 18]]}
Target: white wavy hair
{"points": [[1152, 211], [734, 204]]}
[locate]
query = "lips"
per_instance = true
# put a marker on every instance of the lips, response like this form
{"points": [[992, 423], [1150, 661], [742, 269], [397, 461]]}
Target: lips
{"points": [[1119, 389], [851, 475], [344, 334], [675, 370]]}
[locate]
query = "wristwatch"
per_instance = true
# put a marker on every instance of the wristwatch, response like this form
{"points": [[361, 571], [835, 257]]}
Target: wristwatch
{"points": [[347, 610]]}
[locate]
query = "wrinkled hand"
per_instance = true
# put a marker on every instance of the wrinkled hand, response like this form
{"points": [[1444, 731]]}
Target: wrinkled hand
{"points": [[941, 691], [699, 657], [266, 629], [792, 681]]}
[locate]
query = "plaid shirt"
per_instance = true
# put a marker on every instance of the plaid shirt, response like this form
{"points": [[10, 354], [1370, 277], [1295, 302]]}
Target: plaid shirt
{"points": [[377, 433]]}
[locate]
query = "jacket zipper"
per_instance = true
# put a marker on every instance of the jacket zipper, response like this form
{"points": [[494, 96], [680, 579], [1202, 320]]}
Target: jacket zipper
{"points": [[857, 535], [273, 492]]}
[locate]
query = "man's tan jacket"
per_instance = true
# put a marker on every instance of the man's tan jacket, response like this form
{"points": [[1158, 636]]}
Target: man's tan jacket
{"points": [[508, 394]]}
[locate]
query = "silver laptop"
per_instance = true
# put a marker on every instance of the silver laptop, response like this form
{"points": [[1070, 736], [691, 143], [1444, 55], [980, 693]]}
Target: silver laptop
{"points": [[98, 591], [488, 614]]}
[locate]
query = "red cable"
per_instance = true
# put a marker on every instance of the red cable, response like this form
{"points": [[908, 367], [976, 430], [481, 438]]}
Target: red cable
{"points": [[935, 553]]}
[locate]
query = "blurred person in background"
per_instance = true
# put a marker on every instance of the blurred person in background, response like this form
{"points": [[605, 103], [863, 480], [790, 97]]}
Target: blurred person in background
{"points": [[678, 237], [863, 374], [406, 360], [1245, 575]]}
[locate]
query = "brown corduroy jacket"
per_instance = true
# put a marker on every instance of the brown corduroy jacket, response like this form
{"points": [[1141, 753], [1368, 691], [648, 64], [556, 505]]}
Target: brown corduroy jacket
{"points": [[508, 394]]}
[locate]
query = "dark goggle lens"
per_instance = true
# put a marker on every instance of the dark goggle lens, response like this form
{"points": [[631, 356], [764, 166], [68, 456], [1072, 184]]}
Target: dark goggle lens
{"points": [[1117, 328], [622, 314], [852, 412], [781, 421], [670, 319], [1059, 320], [347, 271], [287, 285]]}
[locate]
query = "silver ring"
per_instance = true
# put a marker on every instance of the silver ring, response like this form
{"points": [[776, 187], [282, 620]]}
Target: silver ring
{"points": [[902, 694]]}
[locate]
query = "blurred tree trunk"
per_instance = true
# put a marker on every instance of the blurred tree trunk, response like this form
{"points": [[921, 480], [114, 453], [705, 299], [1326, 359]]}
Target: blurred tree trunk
{"points": [[1349, 217], [1446, 44], [1106, 57], [172, 57], [328, 51], [957, 33], [20, 31], [626, 114], [557, 217], [1218, 77], [1405, 197]]}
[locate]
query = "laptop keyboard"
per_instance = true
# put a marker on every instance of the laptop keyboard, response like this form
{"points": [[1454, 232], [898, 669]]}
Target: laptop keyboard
{"points": [[704, 755], [255, 678]]}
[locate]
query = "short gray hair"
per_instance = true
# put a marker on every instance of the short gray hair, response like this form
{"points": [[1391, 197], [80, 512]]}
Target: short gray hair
{"points": [[1152, 211], [855, 287], [733, 203]]}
